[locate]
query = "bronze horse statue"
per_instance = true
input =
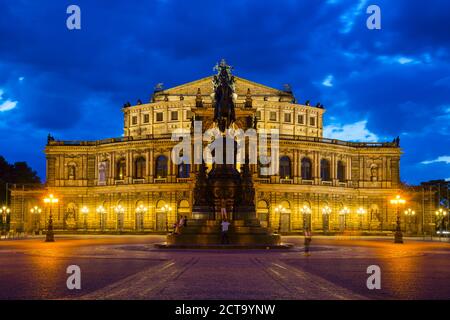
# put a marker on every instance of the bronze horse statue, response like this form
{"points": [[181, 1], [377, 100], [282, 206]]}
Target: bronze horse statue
{"points": [[224, 114]]}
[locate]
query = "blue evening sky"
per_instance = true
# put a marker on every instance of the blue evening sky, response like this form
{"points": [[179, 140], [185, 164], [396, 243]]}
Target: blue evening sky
{"points": [[375, 84]]}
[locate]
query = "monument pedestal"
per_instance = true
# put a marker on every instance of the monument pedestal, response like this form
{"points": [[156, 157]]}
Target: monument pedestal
{"points": [[247, 233]]}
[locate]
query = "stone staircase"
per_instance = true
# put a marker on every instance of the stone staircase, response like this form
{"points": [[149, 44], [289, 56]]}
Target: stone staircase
{"points": [[201, 232]]}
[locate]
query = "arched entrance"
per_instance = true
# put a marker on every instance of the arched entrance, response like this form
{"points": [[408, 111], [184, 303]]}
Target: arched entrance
{"points": [[161, 217], [184, 209], [140, 211], [285, 217], [262, 213]]}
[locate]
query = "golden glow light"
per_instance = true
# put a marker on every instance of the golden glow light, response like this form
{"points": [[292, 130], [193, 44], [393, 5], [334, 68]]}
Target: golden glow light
{"points": [[410, 212], [306, 209], [119, 209], [100, 209], [141, 208], [326, 210], [85, 210], [344, 210], [51, 199], [361, 211], [35, 209], [4, 209], [398, 200], [441, 212]]}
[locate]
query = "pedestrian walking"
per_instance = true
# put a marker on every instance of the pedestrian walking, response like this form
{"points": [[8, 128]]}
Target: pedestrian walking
{"points": [[224, 238], [308, 238], [185, 221]]}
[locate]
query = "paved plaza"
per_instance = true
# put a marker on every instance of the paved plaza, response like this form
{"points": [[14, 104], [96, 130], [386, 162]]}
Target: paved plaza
{"points": [[129, 267]]}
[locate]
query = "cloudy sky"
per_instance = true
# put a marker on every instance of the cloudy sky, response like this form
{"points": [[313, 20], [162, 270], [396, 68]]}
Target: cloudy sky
{"points": [[375, 84]]}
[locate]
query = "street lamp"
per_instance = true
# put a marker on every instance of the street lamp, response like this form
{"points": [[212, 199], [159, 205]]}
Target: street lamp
{"points": [[50, 200], [140, 210], [326, 211], [101, 211], [409, 213], [166, 208], [344, 212], [4, 211], [306, 211], [37, 211], [440, 213], [361, 212], [279, 210], [85, 212], [120, 211], [397, 201]]}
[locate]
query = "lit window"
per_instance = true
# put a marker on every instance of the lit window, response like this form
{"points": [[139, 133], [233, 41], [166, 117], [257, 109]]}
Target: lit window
{"points": [[287, 117], [273, 116]]}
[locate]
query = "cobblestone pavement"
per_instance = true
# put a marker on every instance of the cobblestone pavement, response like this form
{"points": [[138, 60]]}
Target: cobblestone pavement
{"points": [[129, 267]]}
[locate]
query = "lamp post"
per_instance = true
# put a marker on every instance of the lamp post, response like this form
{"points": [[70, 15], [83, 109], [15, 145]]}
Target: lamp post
{"points": [[326, 211], [85, 212], [166, 208], [36, 211], [344, 212], [119, 211], [409, 213], [279, 210], [397, 201], [440, 213], [101, 211], [4, 211], [361, 212], [140, 210], [50, 200], [306, 211]]}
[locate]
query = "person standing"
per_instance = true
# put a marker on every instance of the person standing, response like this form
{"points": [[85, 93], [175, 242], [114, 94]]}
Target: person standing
{"points": [[224, 238], [185, 221], [223, 209], [308, 238]]}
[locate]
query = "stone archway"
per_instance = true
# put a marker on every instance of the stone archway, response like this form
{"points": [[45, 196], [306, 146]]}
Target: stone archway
{"points": [[139, 216], [183, 209], [262, 213], [161, 217], [285, 217]]}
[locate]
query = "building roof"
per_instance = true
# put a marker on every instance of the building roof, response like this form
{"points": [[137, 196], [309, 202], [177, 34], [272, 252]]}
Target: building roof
{"points": [[206, 88]]}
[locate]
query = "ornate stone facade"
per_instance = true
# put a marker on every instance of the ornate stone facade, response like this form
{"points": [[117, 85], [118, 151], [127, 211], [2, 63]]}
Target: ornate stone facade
{"points": [[130, 184]]}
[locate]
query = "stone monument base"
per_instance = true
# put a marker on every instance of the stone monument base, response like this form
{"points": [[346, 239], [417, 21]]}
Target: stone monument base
{"points": [[201, 232]]}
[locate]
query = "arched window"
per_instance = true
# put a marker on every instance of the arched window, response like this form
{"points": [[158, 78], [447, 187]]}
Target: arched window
{"points": [[183, 170], [285, 167], [121, 169], [161, 167], [341, 171], [325, 170], [139, 168], [306, 169]]}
